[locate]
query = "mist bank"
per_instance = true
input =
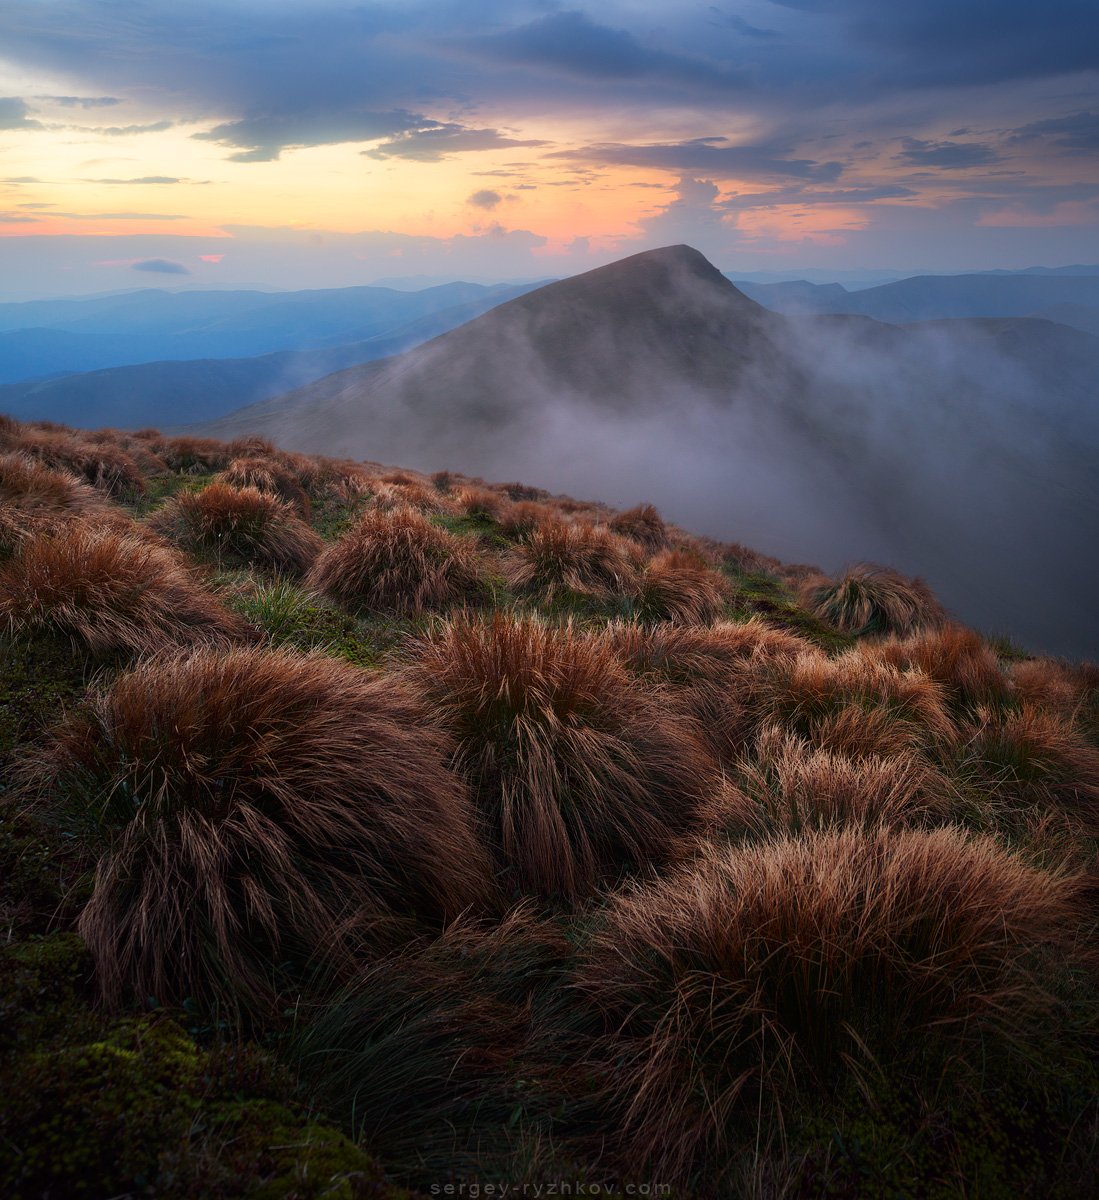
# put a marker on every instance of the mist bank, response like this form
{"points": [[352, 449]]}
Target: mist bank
{"points": [[961, 451]]}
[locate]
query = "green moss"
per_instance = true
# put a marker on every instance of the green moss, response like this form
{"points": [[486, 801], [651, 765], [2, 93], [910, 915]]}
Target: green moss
{"points": [[141, 1110], [40, 677], [45, 990], [1002, 1144], [762, 595]]}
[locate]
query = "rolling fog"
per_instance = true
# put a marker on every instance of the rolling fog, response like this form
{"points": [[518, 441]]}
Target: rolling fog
{"points": [[938, 449]]}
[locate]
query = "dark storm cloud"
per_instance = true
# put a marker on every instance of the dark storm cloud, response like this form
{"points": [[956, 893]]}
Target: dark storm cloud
{"points": [[948, 155], [966, 43], [161, 266], [1079, 131], [82, 101], [573, 44], [710, 154], [264, 138], [436, 140]]}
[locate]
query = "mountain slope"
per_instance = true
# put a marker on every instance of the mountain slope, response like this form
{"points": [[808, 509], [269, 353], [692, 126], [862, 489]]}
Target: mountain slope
{"points": [[962, 450]]}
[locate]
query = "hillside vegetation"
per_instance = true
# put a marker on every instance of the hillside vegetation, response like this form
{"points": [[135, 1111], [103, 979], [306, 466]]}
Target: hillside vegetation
{"points": [[365, 833]]}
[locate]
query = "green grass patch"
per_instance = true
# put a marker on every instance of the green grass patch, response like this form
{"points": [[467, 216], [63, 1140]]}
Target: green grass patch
{"points": [[759, 594]]}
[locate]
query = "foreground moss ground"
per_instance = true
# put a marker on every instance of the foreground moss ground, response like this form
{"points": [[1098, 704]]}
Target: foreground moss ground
{"points": [[177, 1102]]}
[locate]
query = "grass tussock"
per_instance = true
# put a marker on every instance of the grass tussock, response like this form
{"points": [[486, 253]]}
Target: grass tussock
{"points": [[193, 455], [481, 503], [788, 786], [823, 699], [105, 466], [390, 495], [522, 518], [760, 973], [870, 600], [958, 659], [239, 525], [714, 671], [1032, 757], [398, 562], [111, 589], [680, 586], [269, 476], [560, 557], [581, 772], [259, 802], [35, 497], [418, 1054], [644, 524]]}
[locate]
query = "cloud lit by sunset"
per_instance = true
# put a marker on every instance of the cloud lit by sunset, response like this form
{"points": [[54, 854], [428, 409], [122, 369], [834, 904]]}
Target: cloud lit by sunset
{"points": [[254, 141]]}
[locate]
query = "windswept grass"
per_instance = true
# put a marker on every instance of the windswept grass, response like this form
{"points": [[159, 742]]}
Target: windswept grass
{"points": [[788, 786], [105, 466], [644, 524], [35, 498], [239, 525], [111, 589], [580, 771], [269, 476], [263, 808], [559, 557], [763, 972], [680, 586], [398, 562], [418, 1055], [1031, 757], [869, 599], [958, 659]]}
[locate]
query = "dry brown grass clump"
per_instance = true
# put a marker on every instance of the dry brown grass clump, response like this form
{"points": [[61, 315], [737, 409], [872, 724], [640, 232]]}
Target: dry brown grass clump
{"points": [[644, 524], [559, 557], [1049, 684], [398, 562], [107, 467], [869, 599], [760, 972], [821, 698], [193, 455], [957, 658], [239, 523], [338, 478], [270, 476], [480, 502], [716, 671], [1028, 756], [35, 498], [580, 770], [680, 586], [523, 518], [260, 804], [110, 589], [413, 494], [788, 786]]}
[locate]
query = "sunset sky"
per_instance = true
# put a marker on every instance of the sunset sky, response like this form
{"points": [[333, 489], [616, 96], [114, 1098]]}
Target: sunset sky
{"points": [[325, 144]]}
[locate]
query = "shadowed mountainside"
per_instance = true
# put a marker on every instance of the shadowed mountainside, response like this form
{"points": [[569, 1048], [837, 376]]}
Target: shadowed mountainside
{"points": [[962, 450]]}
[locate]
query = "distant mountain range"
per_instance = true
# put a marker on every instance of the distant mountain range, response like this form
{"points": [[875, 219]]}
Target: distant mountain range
{"points": [[49, 337], [1071, 298], [961, 449], [200, 389]]}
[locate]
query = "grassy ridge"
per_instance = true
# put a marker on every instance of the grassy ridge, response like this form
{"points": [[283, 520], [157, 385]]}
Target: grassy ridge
{"points": [[362, 831]]}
